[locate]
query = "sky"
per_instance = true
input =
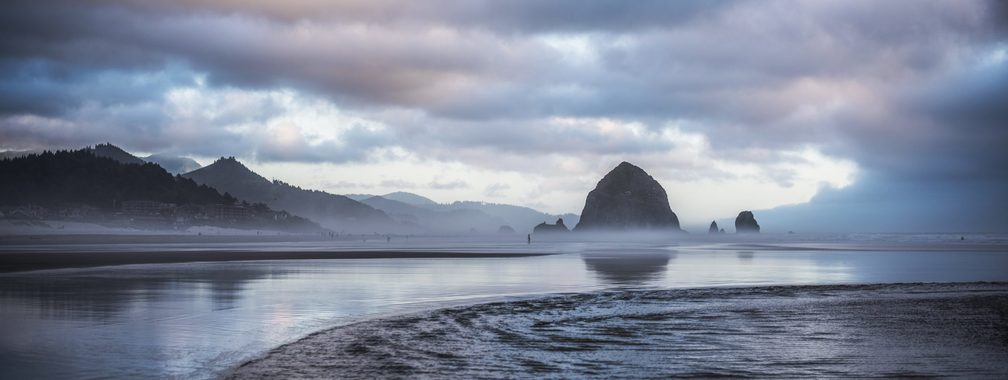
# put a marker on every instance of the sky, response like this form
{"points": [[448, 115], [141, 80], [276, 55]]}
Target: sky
{"points": [[832, 115]]}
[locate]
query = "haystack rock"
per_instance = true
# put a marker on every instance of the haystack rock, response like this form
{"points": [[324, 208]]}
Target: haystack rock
{"points": [[627, 198], [713, 228], [550, 228], [505, 229], [745, 222]]}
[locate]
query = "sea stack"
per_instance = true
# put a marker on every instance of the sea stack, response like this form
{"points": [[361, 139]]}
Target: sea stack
{"points": [[713, 228], [746, 223], [550, 228], [627, 198]]}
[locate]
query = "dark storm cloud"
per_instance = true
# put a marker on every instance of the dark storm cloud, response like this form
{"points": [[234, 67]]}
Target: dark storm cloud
{"points": [[912, 91], [474, 61], [518, 16]]}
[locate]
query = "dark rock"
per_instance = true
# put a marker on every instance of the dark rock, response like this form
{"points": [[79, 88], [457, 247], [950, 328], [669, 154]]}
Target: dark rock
{"points": [[713, 228], [550, 228], [505, 230], [627, 198], [745, 222]]}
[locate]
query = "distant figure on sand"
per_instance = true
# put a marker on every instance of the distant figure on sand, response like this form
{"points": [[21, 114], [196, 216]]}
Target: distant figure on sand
{"points": [[530, 238], [388, 239]]}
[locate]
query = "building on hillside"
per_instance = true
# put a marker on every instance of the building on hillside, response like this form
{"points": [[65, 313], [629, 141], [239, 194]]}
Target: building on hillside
{"points": [[227, 212]]}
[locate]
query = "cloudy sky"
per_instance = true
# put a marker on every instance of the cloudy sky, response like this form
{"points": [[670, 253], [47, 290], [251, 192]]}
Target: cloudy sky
{"points": [[891, 113]]}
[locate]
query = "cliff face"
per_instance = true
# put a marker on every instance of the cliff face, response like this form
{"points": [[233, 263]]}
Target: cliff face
{"points": [[745, 222], [627, 198]]}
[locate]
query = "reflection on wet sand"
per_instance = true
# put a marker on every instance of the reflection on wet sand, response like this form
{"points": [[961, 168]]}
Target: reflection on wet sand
{"points": [[195, 320], [628, 267], [100, 295]]}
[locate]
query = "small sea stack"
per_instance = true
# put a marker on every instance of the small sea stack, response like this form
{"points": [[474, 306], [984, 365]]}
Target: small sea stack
{"points": [[713, 228], [547, 228]]}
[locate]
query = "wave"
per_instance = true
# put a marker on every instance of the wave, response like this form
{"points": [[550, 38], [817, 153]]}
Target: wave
{"points": [[892, 330]]}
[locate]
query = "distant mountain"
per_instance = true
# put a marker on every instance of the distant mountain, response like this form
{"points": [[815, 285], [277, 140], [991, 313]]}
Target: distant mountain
{"points": [[404, 206], [17, 153], [430, 220], [333, 211], [359, 197], [83, 177], [174, 164], [523, 219], [410, 198], [76, 183], [115, 153], [398, 196], [398, 211]]}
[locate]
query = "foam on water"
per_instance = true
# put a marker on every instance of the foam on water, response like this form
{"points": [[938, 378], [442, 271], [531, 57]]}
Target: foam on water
{"points": [[802, 331]]}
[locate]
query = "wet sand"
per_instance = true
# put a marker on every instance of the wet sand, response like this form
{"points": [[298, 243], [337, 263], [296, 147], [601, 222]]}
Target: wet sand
{"points": [[27, 261], [39, 252], [199, 320], [54, 251], [64, 239], [898, 330]]}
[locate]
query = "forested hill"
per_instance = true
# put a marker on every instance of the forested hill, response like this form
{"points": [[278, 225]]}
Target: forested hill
{"points": [[334, 211], [80, 177]]}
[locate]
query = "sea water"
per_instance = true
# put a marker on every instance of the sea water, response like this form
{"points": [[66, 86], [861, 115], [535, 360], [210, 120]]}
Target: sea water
{"points": [[199, 320]]}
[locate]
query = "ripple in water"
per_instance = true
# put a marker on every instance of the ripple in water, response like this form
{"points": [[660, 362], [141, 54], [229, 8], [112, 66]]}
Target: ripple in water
{"points": [[834, 331]]}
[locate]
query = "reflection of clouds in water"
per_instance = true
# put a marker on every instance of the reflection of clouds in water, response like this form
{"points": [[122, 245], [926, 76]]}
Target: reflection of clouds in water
{"points": [[628, 266], [98, 294], [745, 255]]}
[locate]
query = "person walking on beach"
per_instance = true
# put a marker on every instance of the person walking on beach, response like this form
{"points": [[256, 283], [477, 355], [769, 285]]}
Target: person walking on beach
{"points": [[530, 238]]}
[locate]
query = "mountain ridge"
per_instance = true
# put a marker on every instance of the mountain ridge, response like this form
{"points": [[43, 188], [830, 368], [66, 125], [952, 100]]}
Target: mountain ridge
{"points": [[173, 164], [330, 210]]}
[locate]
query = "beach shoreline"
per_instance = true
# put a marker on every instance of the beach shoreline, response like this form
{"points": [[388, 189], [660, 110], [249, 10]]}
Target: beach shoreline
{"points": [[29, 252], [13, 262]]}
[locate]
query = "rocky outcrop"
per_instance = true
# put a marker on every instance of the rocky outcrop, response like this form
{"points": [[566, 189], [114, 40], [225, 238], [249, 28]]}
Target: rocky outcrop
{"points": [[745, 222], [505, 229], [627, 198], [550, 228], [713, 228]]}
